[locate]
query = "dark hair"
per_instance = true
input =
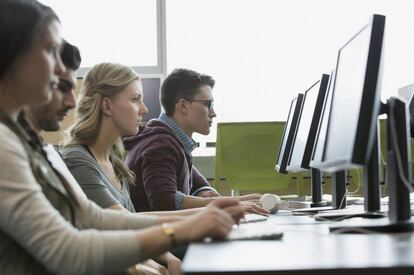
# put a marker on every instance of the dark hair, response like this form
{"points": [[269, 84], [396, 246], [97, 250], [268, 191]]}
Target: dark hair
{"points": [[182, 83], [21, 21], [70, 56]]}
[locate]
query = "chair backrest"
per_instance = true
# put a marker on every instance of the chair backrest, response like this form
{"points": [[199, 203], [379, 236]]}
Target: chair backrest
{"points": [[246, 154]]}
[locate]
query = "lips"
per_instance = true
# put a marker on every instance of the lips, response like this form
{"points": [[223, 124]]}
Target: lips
{"points": [[62, 115]]}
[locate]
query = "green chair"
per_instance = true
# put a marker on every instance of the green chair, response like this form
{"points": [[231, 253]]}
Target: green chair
{"points": [[245, 158]]}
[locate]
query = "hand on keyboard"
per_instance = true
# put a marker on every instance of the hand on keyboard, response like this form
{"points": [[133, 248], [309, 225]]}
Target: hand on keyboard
{"points": [[253, 218], [255, 231]]}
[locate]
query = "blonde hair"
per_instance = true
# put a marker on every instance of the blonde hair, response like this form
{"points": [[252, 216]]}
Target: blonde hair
{"points": [[102, 80]]}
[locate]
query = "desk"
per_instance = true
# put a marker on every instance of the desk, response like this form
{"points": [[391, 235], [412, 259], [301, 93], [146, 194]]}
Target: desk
{"points": [[306, 248]]}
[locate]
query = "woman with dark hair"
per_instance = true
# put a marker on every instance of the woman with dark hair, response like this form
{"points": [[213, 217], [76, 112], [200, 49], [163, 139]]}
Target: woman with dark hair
{"points": [[45, 225]]}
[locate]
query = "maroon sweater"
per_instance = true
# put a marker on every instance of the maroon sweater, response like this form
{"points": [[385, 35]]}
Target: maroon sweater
{"points": [[162, 167]]}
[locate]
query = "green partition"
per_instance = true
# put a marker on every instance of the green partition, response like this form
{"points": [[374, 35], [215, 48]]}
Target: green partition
{"points": [[245, 158]]}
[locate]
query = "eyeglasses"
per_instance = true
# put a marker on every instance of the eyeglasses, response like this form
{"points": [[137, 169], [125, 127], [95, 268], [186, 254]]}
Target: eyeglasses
{"points": [[208, 103]]}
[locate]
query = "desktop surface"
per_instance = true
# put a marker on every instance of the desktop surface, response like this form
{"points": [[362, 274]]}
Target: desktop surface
{"points": [[307, 247]]}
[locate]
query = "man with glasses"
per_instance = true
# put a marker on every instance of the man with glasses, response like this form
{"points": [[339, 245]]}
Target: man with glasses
{"points": [[160, 155]]}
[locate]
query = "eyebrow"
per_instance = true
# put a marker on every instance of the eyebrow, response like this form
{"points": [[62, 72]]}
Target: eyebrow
{"points": [[67, 82]]}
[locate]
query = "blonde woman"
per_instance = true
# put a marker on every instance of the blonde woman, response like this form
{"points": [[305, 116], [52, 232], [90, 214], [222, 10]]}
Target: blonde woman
{"points": [[46, 226]]}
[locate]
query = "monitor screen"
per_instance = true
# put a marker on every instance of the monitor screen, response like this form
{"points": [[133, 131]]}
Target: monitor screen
{"points": [[151, 89], [288, 134], [355, 100], [308, 122]]}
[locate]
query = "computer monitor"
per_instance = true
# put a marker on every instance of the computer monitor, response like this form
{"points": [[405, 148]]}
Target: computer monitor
{"points": [[304, 140], [317, 153], [151, 88], [289, 134], [355, 101], [399, 175]]}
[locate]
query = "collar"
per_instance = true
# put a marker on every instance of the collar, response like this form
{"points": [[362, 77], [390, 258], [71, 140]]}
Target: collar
{"points": [[188, 143]]}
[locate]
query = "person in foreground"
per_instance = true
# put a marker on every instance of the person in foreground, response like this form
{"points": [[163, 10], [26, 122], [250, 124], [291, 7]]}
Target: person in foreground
{"points": [[46, 225], [48, 118], [160, 155]]}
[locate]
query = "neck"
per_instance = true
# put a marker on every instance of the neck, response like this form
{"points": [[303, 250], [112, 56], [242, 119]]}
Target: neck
{"points": [[9, 106], [181, 122], [106, 138], [33, 122], [9, 102]]}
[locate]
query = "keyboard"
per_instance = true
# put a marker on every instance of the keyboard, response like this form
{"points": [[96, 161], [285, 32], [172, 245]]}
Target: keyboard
{"points": [[255, 231], [253, 218]]}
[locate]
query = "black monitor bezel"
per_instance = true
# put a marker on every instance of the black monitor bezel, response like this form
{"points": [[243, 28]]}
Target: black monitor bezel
{"points": [[284, 151], [315, 163], [316, 116], [364, 138]]}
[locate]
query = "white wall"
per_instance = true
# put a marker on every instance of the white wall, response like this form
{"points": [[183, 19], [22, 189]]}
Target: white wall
{"points": [[263, 52]]}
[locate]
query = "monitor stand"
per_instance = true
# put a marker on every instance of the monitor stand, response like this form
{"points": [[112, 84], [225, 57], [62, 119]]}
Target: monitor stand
{"points": [[316, 183], [339, 203], [399, 212], [372, 191], [338, 196], [372, 205]]}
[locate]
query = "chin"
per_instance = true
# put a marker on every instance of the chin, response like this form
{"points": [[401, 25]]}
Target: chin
{"points": [[205, 132], [50, 127], [131, 132]]}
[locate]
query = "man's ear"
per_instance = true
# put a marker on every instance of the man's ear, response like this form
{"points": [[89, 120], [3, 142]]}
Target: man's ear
{"points": [[106, 106], [182, 106]]}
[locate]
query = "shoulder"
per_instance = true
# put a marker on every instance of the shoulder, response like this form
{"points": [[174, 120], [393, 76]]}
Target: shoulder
{"points": [[14, 161], [10, 143], [75, 152], [77, 155]]}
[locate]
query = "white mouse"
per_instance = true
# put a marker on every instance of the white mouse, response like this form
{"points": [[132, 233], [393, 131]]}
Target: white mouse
{"points": [[270, 202]]}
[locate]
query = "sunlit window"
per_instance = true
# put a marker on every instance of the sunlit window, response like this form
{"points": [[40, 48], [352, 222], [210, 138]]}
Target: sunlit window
{"points": [[263, 52], [111, 31]]}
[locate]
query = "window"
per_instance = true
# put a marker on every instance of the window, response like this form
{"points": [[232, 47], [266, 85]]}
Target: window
{"points": [[128, 31], [263, 52]]}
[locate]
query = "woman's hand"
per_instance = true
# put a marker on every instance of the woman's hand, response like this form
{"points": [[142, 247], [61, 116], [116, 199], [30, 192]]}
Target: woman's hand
{"points": [[149, 267], [231, 206], [174, 265], [210, 222], [253, 207]]}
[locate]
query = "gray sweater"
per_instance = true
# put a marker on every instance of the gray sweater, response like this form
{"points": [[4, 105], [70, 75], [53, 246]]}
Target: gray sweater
{"points": [[37, 233], [93, 180]]}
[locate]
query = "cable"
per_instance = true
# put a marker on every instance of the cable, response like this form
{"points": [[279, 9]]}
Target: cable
{"points": [[353, 192], [358, 183]]}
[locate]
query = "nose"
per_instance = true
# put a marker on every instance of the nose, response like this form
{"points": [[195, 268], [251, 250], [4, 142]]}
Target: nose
{"points": [[143, 109], [212, 113], [69, 100]]}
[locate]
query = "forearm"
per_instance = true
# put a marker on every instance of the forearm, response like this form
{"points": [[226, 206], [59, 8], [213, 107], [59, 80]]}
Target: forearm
{"points": [[154, 242], [183, 212], [191, 202]]}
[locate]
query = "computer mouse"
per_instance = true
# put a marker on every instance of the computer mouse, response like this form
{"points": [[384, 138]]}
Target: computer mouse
{"points": [[270, 202]]}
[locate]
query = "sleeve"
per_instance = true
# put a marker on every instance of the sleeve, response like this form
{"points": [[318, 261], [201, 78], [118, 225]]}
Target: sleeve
{"points": [[179, 200], [89, 178], [200, 182], [159, 176], [92, 215], [27, 217]]}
